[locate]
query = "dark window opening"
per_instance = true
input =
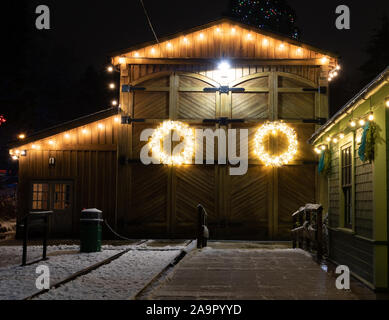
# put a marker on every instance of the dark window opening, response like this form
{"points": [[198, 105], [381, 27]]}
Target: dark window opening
{"points": [[347, 186]]}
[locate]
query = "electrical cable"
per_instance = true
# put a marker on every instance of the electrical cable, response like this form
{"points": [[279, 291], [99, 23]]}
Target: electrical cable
{"points": [[148, 19]]}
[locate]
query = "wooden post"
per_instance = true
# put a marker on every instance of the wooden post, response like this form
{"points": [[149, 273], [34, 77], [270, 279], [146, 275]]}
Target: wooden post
{"points": [[45, 233], [319, 233], [25, 236]]}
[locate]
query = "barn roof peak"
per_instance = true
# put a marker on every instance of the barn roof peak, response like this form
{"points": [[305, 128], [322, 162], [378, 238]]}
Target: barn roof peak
{"points": [[223, 37]]}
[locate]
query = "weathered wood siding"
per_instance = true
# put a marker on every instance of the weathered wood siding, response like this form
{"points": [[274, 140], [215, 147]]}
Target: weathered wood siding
{"points": [[334, 188], [87, 159], [364, 206], [357, 254]]}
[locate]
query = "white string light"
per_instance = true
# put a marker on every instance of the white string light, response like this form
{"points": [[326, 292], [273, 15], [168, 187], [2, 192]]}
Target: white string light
{"points": [[274, 128], [184, 131]]}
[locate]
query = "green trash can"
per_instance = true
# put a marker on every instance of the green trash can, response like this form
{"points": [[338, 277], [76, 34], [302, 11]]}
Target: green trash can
{"points": [[90, 230]]}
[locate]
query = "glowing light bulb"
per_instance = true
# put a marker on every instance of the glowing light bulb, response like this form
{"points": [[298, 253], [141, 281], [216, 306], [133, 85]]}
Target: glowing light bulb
{"points": [[233, 30], [224, 66], [338, 67], [249, 36], [15, 158], [282, 46], [112, 86], [317, 150], [387, 102], [122, 60], [51, 142], [17, 152], [323, 148], [100, 126], [84, 131], [21, 136], [169, 45], [362, 122], [335, 140], [117, 119], [185, 39], [67, 136], [218, 30], [110, 69], [152, 50], [341, 136], [136, 54], [201, 36], [371, 117], [114, 103], [265, 42], [299, 51], [335, 74], [353, 123], [324, 60], [328, 139]]}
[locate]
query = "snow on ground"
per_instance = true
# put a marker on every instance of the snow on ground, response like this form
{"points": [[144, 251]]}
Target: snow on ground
{"points": [[18, 282], [119, 280]]}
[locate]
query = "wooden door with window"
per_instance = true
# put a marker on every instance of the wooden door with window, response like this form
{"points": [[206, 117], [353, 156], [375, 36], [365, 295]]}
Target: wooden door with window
{"points": [[56, 196]]}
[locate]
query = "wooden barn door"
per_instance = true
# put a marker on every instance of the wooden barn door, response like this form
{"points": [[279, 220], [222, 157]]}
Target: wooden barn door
{"points": [[259, 204], [194, 184]]}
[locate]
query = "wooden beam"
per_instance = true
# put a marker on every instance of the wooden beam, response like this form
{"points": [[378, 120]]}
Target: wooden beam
{"points": [[82, 147], [235, 62]]}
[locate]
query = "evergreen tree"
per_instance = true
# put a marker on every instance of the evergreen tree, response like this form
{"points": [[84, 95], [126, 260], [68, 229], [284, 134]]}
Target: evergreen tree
{"points": [[378, 52], [273, 15]]}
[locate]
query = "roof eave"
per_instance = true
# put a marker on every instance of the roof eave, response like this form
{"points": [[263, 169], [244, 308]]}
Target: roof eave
{"points": [[69, 125], [377, 82], [221, 20]]}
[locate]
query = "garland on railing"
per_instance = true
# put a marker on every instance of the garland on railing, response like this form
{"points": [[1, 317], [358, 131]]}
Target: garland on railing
{"points": [[366, 151], [325, 163]]}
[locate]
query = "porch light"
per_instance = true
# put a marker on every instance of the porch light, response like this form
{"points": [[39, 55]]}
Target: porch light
{"points": [[224, 66]]}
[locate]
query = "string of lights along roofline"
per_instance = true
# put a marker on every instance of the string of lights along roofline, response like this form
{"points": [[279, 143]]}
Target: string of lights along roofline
{"points": [[354, 123]]}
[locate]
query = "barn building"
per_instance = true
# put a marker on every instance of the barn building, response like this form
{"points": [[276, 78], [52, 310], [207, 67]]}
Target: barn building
{"points": [[95, 161]]}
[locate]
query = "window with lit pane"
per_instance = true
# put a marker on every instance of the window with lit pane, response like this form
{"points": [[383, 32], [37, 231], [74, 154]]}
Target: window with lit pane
{"points": [[40, 196], [347, 185], [61, 196]]}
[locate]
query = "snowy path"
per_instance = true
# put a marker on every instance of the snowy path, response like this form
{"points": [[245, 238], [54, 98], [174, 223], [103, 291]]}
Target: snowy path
{"points": [[119, 280], [18, 282]]}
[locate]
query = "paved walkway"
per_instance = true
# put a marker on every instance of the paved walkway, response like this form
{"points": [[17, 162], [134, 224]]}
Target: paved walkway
{"points": [[254, 274]]}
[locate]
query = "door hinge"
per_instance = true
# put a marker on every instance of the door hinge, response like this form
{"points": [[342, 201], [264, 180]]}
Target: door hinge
{"points": [[129, 88], [129, 120], [224, 89]]}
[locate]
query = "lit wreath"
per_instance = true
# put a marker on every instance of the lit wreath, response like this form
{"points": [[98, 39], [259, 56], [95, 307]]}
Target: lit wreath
{"points": [[156, 143], [274, 127]]}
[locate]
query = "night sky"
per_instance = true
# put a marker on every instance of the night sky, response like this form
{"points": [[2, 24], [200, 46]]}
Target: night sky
{"points": [[94, 28], [64, 60]]}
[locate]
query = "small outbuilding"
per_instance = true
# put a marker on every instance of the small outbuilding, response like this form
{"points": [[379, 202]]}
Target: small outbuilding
{"points": [[354, 182]]}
